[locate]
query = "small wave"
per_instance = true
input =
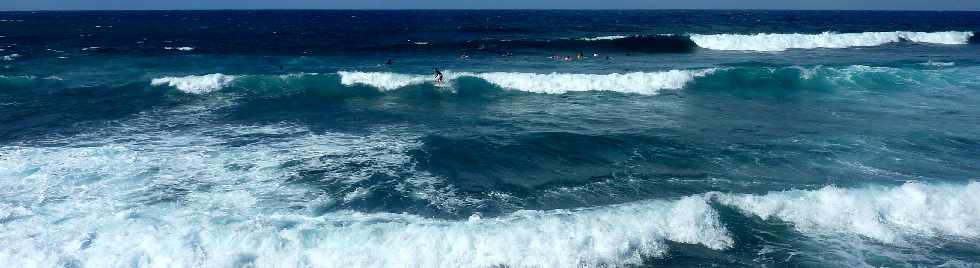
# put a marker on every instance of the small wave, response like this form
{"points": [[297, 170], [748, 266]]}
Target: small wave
{"points": [[647, 83], [646, 43], [179, 48], [10, 57], [938, 64], [600, 38], [196, 84], [890, 215], [782, 42]]}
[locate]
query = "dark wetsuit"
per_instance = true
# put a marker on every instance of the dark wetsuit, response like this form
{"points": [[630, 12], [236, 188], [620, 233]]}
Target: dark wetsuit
{"points": [[438, 76]]}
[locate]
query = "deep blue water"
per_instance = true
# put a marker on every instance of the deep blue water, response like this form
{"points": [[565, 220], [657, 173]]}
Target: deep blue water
{"points": [[677, 138]]}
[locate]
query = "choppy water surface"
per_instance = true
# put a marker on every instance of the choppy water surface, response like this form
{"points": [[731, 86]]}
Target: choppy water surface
{"points": [[679, 138]]}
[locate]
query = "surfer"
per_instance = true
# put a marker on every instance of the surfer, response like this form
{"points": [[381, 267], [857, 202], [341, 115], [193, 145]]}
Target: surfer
{"points": [[438, 77], [389, 62]]}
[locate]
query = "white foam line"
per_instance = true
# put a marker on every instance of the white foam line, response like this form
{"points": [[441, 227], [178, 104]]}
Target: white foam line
{"points": [[781, 42], [648, 83]]}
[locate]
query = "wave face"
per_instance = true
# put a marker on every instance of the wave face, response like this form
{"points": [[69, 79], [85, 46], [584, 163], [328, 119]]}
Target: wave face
{"points": [[782, 42]]}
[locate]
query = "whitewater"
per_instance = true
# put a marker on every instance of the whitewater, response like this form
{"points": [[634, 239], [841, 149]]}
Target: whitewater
{"points": [[781, 42]]}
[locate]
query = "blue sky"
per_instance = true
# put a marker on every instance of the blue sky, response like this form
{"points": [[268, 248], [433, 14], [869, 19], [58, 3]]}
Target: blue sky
{"points": [[493, 4]]}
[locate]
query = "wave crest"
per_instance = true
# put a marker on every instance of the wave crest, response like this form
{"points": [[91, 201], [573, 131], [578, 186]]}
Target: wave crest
{"points": [[890, 215], [647, 83], [782, 42], [196, 84]]}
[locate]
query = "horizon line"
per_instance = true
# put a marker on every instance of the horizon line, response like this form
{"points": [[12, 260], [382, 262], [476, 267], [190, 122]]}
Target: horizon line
{"points": [[485, 9]]}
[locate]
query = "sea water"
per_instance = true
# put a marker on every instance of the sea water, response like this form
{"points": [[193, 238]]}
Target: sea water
{"points": [[557, 139]]}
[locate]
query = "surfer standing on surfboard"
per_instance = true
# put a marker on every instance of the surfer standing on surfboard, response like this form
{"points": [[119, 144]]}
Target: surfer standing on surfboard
{"points": [[438, 77]]}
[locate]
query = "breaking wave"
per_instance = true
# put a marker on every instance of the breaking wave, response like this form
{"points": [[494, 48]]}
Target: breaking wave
{"points": [[644, 83], [554, 83], [196, 84], [886, 214], [781, 42]]}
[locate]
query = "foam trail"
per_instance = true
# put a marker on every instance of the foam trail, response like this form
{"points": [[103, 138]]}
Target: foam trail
{"points": [[196, 84], [781, 42], [648, 83], [890, 215]]}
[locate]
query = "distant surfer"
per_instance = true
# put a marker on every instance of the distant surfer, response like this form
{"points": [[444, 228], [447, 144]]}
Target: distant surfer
{"points": [[389, 62], [438, 77]]}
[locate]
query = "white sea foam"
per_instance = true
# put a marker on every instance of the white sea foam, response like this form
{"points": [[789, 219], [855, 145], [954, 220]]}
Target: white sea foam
{"points": [[554, 83], [215, 197], [158, 197], [11, 57], [179, 48], [601, 38], [648, 83], [938, 64], [615, 235], [781, 42], [887, 214], [196, 84]]}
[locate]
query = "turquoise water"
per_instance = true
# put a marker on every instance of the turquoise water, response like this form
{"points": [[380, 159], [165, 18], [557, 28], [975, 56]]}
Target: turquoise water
{"points": [[679, 138]]}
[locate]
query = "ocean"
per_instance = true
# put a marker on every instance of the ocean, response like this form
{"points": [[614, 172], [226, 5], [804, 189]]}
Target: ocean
{"points": [[670, 138]]}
